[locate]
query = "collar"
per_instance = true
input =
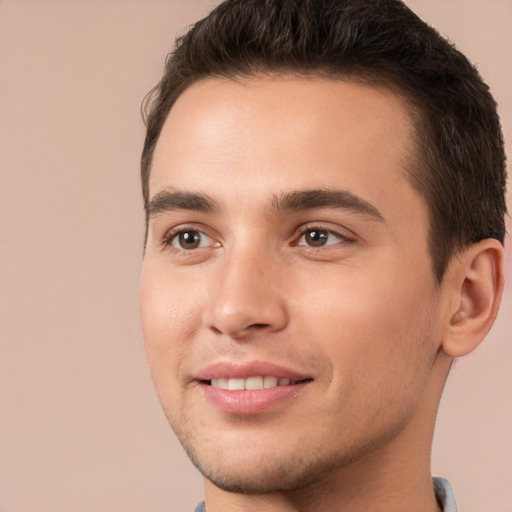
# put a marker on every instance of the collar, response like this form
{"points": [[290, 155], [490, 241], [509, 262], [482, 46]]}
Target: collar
{"points": [[444, 494]]}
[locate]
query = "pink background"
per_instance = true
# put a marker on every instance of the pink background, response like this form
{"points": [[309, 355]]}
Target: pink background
{"points": [[80, 427]]}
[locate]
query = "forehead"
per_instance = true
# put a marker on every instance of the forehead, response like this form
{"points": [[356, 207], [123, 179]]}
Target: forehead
{"points": [[284, 132]]}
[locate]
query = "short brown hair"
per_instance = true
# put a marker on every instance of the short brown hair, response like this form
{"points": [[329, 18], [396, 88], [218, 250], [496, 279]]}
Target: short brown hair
{"points": [[460, 165]]}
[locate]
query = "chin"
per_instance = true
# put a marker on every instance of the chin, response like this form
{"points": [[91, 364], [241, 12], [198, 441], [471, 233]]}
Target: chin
{"points": [[260, 478], [263, 470], [245, 458]]}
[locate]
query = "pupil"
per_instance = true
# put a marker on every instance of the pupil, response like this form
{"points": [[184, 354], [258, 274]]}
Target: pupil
{"points": [[316, 238], [189, 239]]}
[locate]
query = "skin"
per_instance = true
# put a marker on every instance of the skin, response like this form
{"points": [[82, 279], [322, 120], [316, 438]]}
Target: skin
{"points": [[362, 315]]}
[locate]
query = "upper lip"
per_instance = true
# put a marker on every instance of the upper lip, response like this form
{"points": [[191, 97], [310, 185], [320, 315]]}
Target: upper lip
{"points": [[244, 370]]}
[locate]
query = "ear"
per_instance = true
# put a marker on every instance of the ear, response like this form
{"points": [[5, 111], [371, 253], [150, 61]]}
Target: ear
{"points": [[475, 283]]}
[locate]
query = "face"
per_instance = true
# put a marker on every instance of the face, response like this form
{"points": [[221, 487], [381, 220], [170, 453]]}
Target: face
{"points": [[287, 298]]}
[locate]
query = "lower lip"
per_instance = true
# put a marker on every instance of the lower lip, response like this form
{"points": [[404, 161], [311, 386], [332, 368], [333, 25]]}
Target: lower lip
{"points": [[246, 402]]}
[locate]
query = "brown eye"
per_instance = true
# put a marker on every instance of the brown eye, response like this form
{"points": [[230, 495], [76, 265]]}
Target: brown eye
{"points": [[319, 238], [188, 240], [316, 238]]}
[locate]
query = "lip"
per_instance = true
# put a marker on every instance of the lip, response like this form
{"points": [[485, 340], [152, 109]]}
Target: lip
{"points": [[250, 402], [228, 369]]}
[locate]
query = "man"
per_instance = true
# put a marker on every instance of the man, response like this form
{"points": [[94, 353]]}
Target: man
{"points": [[324, 190]]}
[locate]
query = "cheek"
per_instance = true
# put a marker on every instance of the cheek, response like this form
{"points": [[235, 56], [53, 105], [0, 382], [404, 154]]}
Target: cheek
{"points": [[369, 325], [170, 317]]}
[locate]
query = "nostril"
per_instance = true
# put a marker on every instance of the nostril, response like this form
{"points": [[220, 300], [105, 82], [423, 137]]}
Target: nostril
{"points": [[258, 326]]}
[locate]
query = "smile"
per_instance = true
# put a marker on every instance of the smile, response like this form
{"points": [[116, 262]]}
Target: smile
{"points": [[250, 387], [251, 383]]}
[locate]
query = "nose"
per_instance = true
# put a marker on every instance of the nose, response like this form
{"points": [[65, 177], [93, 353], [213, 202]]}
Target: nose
{"points": [[246, 298]]}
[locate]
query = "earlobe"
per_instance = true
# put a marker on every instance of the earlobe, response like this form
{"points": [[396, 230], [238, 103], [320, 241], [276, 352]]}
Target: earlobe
{"points": [[477, 280]]}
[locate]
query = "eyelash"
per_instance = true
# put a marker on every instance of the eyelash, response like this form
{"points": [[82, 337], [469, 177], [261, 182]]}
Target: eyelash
{"points": [[171, 236], [303, 230]]}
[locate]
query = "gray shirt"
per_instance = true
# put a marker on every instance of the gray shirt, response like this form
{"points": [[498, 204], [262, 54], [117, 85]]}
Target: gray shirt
{"points": [[442, 488]]}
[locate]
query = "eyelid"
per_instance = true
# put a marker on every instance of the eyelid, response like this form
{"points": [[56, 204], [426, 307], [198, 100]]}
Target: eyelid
{"points": [[344, 233], [175, 240], [169, 236]]}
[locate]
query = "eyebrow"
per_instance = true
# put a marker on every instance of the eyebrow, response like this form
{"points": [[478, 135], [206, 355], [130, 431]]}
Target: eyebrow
{"points": [[335, 199], [169, 200]]}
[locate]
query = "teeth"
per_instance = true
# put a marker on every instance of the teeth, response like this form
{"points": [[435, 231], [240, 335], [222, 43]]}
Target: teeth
{"points": [[270, 382], [251, 383], [254, 383], [235, 384], [222, 383]]}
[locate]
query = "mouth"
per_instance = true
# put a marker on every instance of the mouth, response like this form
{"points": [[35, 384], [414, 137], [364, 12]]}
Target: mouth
{"points": [[251, 388], [252, 383]]}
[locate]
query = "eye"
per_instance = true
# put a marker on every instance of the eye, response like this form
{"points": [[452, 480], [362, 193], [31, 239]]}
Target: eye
{"points": [[319, 238], [189, 239]]}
